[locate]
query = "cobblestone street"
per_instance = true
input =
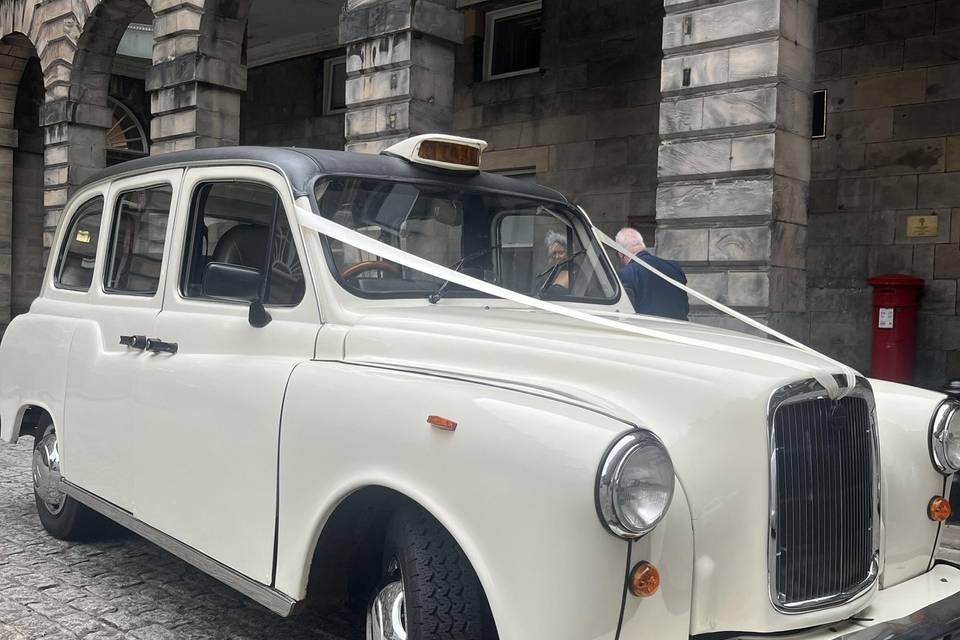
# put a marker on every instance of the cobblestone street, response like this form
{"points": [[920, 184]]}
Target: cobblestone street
{"points": [[124, 588]]}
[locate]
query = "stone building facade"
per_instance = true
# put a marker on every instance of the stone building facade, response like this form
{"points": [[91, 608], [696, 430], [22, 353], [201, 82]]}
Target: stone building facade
{"points": [[688, 119]]}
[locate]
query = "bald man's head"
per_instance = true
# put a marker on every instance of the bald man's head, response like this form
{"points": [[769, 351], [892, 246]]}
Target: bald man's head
{"points": [[632, 240]]}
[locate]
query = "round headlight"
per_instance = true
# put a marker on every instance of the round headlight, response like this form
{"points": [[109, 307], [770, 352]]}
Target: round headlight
{"points": [[945, 437], [635, 485]]}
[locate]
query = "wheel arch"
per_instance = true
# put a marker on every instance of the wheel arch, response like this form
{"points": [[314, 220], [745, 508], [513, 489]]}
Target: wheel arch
{"points": [[348, 548], [27, 418]]}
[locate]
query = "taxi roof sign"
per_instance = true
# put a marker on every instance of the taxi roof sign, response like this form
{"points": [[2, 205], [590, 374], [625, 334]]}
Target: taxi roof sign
{"points": [[439, 150]]}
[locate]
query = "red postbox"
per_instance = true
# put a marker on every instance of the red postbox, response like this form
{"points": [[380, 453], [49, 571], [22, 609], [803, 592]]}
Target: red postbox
{"points": [[894, 325]]}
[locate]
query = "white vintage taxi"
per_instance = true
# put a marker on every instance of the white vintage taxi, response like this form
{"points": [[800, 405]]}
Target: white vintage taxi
{"points": [[399, 384]]}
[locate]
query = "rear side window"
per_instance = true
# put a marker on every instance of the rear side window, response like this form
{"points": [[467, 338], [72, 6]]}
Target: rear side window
{"points": [[79, 253], [241, 246], [136, 241]]}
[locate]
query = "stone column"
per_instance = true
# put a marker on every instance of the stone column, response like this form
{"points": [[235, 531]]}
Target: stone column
{"points": [[734, 161], [400, 69], [198, 76]]}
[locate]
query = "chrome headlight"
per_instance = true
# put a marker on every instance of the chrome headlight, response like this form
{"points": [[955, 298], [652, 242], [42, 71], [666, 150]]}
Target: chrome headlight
{"points": [[945, 437], [634, 485]]}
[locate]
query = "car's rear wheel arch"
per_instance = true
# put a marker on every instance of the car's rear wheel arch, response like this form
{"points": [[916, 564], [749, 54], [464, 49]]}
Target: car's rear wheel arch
{"points": [[348, 557], [32, 419]]}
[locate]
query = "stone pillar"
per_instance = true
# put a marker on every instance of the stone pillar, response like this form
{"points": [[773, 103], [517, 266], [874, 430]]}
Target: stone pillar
{"points": [[198, 76], [400, 69], [734, 161]]}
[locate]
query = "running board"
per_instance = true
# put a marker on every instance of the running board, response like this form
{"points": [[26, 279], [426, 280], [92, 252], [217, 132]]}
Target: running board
{"points": [[278, 602]]}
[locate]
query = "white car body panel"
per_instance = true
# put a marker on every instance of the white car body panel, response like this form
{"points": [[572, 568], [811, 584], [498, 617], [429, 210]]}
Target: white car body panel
{"points": [[909, 481], [535, 545], [102, 373], [243, 444], [222, 391]]}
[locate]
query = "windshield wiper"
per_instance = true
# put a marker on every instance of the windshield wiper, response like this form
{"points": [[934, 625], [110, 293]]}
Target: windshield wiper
{"points": [[456, 266], [551, 273]]}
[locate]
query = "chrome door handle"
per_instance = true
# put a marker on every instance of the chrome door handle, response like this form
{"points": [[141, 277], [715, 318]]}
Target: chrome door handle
{"points": [[159, 346], [134, 342]]}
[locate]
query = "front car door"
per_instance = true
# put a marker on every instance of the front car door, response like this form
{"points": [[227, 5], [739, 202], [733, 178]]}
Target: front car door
{"points": [[210, 413], [119, 295]]}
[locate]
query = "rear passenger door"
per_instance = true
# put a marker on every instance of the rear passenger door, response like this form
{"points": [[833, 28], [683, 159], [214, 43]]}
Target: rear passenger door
{"points": [[210, 412], [122, 291]]}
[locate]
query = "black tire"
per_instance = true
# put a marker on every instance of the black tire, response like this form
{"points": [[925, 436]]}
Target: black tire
{"points": [[443, 596], [74, 521]]}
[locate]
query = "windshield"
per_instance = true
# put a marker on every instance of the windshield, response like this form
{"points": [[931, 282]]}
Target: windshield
{"points": [[533, 247]]}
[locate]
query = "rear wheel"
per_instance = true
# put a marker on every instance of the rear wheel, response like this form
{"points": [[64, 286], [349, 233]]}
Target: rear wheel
{"points": [[428, 590], [62, 516]]}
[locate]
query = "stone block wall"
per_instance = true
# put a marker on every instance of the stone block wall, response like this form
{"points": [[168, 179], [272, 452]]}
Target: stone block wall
{"points": [[891, 69], [734, 160], [283, 105], [587, 123]]}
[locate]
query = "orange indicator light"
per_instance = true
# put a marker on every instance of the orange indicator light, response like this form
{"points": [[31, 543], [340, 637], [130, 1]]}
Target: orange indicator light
{"points": [[938, 509], [441, 423], [644, 580]]}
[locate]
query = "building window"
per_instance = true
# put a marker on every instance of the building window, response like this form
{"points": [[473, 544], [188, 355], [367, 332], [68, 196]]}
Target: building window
{"points": [[127, 138], [334, 85], [512, 44], [819, 114]]}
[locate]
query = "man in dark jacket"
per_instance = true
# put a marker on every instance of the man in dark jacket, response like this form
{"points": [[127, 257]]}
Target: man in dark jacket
{"points": [[651, 294]]}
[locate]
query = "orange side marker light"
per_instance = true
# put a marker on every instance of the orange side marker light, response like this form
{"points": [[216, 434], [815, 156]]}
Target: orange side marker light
{"points": [[644, 580], [938, 509], [443, 424]]}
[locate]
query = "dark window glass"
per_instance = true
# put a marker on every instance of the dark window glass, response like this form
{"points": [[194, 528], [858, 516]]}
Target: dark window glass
{"points": [[819, 114], [516, 43], [137, 240], [338, 86], [538, 248], [79, 253], [231, 224]]}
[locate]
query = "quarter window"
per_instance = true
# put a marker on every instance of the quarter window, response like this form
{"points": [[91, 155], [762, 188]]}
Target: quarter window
{"points": [[512, 41], [236, 230], [136, 243], [79, 253]]}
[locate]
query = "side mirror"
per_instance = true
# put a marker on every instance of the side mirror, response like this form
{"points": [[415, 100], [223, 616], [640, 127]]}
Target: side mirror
{"points": [[222, 280]]}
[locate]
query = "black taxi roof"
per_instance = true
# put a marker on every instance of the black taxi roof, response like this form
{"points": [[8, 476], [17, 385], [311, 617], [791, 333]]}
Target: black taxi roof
{"points": [[301, 166]]}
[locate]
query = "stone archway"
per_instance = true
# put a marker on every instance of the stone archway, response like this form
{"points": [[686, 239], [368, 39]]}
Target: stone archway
{"points": [[21, 176], [28, 256], [89, 113]]}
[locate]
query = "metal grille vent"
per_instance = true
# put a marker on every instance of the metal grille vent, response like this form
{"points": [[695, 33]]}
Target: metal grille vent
{"points": [[825, 483]]}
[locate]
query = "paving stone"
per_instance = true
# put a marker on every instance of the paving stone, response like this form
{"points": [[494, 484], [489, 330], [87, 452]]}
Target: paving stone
{"points": [[120, 589]]}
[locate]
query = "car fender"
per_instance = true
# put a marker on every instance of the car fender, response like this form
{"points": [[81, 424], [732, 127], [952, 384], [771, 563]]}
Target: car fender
{"points": [[33, 371], [514, 485], [908, 479]]}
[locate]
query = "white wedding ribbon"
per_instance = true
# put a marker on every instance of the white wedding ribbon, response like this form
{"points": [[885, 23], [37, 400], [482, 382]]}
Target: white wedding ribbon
{"points": [[850, 374], [311, 220]]}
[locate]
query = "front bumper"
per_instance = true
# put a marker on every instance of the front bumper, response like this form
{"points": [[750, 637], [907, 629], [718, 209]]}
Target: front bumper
{"points": [[924, 608]]}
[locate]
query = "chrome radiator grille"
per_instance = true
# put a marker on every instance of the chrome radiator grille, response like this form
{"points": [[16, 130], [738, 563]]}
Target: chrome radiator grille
{"points": [[824, 484]]}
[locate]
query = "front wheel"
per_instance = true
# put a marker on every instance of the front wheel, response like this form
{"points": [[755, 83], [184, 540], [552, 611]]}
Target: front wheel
{"points": [[428, 590], [63, 517]]}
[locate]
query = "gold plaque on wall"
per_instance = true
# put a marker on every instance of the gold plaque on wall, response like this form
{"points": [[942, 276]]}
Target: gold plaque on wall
{"points": [[922, 226]]}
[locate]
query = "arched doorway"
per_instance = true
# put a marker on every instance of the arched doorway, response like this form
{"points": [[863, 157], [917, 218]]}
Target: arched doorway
{"points": [[27, 259], [114, 54], [21, 176]]}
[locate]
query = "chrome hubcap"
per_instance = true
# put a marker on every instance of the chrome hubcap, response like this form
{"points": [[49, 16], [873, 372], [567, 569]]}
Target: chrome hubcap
{"points": [[46, 474], [386, 617]]}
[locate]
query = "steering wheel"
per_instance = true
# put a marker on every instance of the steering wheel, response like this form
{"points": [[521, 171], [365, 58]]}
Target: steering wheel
{"points": [[370, 265]]}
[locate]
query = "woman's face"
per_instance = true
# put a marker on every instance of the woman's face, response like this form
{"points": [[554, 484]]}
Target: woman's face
{"points": [[557, 252]]}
